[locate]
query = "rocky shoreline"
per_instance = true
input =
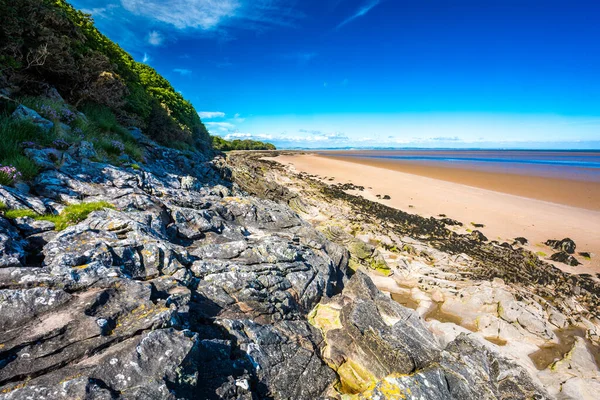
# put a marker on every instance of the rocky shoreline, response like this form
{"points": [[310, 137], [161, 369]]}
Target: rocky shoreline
{"points": [[498, 293], [236, 278]]}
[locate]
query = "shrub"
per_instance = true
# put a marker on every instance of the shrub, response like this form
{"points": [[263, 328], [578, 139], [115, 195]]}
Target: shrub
{"points": [[225, 145]]}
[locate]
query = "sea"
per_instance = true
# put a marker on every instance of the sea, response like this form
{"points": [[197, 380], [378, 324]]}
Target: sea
{"points": [[573, 165]]}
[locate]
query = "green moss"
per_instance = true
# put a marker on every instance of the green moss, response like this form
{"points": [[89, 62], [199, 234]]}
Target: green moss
{"points": [[541, 254], [71, 215], [135, 166], [3, 206]]}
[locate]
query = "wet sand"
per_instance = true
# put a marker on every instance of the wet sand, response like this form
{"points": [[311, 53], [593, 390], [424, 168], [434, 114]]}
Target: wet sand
{"points": [[563, 188], [508, 205]]}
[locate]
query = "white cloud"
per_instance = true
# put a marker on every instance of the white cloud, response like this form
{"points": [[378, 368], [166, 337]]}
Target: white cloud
{"points": [[209, 14], [211, 114], [251, 136], [237, 118], [204, 14], [220, 126], [361, 12], [146, 58], [155, 38], [183, 71]]}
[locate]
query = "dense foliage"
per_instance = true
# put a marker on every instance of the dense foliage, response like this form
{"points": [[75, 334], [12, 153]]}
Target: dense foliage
{"points": [[48, 43], [225, 145]]}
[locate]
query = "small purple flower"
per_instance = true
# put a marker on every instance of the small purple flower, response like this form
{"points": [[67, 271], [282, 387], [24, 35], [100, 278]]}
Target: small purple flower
{"points": [[8, 174], [49, 113], [60, 144], [67, 116], [29, 145]]}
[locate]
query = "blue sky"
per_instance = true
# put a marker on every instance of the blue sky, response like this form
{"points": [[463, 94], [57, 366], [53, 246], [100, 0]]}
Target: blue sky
{"points": [[368, 73]]}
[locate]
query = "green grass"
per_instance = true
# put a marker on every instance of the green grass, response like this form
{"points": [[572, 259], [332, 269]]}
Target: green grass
{"points": [[102, 129], [3, 206], [541, 254], [71, 215], [36, 103], [135, 166], [12, 134]]}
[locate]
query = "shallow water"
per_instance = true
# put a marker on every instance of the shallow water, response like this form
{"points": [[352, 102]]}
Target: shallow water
{"points": [[576, 165], [552, 352]]}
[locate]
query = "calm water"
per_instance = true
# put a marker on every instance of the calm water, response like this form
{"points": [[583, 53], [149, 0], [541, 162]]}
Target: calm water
{"points": [[580, 165]]}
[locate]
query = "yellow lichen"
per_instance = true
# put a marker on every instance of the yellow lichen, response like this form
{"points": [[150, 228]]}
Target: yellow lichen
{"points": [[325, 317], [354, 378]]}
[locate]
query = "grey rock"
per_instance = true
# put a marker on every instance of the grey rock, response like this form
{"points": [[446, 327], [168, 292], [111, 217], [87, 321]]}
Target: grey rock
{"points": [[29, 226], [189, 183], [27, 114], [12, 247], [22, 187], [17, 306], [84, 150], [44, 158], [15, 199]]}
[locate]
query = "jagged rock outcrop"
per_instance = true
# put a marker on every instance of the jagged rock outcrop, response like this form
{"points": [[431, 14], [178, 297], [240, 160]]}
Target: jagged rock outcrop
{"points": [[188, 288]]}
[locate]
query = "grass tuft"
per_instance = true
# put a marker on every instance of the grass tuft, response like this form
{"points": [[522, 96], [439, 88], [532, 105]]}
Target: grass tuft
{"points": [[71, 215]]}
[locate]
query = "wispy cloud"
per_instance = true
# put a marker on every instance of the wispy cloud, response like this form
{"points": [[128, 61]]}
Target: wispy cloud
{"points": [[183, 71], [211, 114], [155, 38], [220, 126], [360, 12], [210, 14], [146, 58]]}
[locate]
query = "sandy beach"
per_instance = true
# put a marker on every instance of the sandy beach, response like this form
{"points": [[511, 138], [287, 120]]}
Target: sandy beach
{"points": [[537, 208]]}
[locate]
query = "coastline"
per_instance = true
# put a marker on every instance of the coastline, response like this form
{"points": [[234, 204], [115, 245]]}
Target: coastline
{"points": [[555, 187], [505, 216]]}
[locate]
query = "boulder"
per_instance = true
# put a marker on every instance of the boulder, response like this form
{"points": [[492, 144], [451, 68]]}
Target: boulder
{"points": [[44, 158], [27, 114], [566, 245], [520, 241], [565, 258]]}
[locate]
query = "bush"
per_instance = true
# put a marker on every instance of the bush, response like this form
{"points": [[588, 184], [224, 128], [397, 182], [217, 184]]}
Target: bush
{"points": [[224, 145]]}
